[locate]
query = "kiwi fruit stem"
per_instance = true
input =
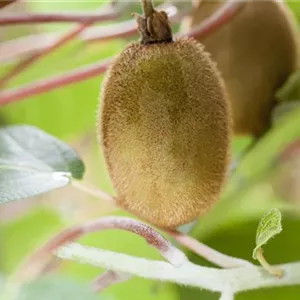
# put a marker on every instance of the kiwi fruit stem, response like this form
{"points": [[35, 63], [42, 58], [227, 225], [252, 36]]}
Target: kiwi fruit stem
{"points": [[153, 26], [147, 8]]}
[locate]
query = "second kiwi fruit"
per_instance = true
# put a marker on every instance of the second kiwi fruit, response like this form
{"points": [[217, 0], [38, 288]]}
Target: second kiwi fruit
{"points": [[255, 53], [165, 126]]}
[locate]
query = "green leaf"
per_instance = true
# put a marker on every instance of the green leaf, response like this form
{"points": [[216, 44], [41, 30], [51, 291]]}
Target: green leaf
{"points": [[33, 162], [269, 226]]}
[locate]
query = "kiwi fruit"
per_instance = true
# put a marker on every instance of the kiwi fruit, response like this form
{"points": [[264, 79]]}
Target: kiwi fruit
{"points": [[255, 53], [164, 124]]}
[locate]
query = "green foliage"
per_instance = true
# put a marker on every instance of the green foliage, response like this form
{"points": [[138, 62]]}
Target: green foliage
{"points": [[268, 227], [236, 239], [69, 112], [33, 162]]}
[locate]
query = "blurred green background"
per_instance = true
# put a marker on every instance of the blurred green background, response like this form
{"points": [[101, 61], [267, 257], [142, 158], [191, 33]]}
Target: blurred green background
{"points": [[70, 114]]}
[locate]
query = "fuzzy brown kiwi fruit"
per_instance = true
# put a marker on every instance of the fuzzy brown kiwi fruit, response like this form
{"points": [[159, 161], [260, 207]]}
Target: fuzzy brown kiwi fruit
{"points": [[164, 126], [255, 52]]}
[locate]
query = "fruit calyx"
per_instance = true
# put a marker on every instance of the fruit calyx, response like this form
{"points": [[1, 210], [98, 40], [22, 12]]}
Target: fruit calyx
{"points": [[154, 25]]}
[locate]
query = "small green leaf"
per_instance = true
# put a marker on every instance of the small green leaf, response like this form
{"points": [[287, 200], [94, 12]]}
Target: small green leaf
{"points": [[33, 162], [269, 226]]}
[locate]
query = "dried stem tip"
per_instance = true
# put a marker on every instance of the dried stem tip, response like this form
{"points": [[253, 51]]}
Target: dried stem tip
{"points": [[153, 26]]}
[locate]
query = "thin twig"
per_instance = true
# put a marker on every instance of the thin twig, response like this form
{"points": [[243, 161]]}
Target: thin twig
{"points": [[271, 269], [42, 257], [25, 45], [218, 19], [110, 32], [93, 191], [55, 82], [12, 49], [229, 11], [34, 57], [210, 254], [32, 18]]}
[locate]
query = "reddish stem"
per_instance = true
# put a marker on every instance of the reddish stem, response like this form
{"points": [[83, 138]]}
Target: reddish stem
{"points": [[37, 262], [55, 82], [58, 17], [19, 46], [34, 57], [210, 254], [13, 49], [110, 32], [221, 17]]}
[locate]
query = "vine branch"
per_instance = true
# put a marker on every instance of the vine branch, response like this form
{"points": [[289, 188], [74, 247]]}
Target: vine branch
{"points": [[46, 85], [28, 44], [223, 15], [210, 254], [233, 280], [37, 262]]}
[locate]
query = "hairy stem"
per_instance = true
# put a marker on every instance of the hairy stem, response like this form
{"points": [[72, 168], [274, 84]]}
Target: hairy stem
{"points": [[229, 295], [271, 269], [211, 255], [37, 262], [229, 280]]}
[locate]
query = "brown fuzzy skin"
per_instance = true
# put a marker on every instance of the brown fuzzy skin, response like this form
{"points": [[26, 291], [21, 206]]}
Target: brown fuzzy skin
{"points": [[165, 132], [255, 53]]}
